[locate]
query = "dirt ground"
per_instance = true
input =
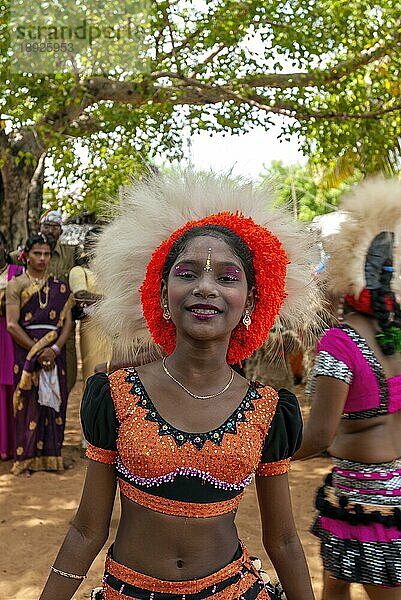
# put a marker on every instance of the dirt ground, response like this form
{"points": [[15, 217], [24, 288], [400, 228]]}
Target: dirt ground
{"points": [[35, 513]]}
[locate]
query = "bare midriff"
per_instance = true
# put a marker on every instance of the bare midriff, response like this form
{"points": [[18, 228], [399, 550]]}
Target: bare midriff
{"points": [[373, 440], [173, 548]]}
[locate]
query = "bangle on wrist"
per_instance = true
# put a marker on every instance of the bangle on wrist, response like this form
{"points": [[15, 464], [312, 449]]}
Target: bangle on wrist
{"points": [[55, 349], [66, 574], [108, 367]]}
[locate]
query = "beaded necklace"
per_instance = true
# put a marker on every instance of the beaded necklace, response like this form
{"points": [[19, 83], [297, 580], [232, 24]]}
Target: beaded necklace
{"points": [[38, 282]]}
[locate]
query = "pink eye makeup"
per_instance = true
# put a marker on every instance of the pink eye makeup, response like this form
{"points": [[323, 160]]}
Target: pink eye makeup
{"points": [[183, 269], [224, 273], [232, 273]]}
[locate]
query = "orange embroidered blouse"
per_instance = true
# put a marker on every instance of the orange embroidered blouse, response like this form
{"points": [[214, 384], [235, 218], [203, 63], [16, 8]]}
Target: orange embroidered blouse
{"points": [[181, 473]]}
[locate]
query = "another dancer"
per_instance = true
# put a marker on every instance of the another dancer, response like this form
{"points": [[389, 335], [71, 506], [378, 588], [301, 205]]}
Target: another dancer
{"points": [[356, 407], [184, 435]]}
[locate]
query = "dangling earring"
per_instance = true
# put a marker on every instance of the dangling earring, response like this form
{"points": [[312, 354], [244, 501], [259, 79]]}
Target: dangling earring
{"points": [[246, 319], [166, 312]]}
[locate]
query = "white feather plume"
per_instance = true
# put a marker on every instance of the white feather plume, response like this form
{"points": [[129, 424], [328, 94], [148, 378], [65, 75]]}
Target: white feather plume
{"points": [[371, 207]]}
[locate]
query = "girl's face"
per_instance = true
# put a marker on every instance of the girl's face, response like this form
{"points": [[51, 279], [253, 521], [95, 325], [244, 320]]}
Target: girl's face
{"points": [[207, 291], [39, 257]]}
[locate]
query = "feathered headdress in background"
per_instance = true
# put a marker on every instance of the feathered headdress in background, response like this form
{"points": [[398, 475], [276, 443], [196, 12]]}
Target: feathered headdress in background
{"points": [[363, 265], [372, 208], [153, 213]]}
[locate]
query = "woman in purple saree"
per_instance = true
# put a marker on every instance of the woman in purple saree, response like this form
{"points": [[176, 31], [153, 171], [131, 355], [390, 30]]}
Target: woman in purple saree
{"points": [[7, 272], [39, 320]]}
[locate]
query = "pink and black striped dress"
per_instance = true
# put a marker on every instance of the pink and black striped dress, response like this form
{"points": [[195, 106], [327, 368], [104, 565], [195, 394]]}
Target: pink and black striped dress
{"points": [[359, 520]]}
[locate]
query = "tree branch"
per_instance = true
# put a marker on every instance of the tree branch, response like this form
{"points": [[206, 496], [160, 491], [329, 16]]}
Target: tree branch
{"points": [[34, 183], [209, 58], [344, 116], [27, 140], [321, 77], [180, 90], [192, 92], [244, 10], [126, 92], [84, 124], [174, 51], [61, 120], [289, 109]]}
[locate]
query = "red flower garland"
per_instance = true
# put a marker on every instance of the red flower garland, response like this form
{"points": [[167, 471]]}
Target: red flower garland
{"points": [[270, 265], [363, 304]]}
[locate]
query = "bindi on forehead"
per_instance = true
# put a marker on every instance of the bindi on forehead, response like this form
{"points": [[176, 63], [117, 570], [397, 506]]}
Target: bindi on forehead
{"points": [[201, 246], [208, 264]]}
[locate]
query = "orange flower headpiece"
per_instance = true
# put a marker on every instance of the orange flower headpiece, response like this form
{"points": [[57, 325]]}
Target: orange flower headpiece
{"points": [[152, 214], [270, 262]]}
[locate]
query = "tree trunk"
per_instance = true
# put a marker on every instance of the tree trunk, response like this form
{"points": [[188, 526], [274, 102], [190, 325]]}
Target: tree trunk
{"points": [[35, 195], [18, 194]]}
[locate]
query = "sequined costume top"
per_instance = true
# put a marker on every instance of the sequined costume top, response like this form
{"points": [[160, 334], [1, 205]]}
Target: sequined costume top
{"points": [[181, 473], [343, 354]]}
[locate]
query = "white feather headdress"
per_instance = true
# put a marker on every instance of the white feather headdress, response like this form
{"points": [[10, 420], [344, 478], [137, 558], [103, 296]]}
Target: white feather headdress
{"points": [[372, 207], [151, 210]]}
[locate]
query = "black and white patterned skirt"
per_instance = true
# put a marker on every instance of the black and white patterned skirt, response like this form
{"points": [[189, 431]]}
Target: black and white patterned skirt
{"points": [[359, 522]]}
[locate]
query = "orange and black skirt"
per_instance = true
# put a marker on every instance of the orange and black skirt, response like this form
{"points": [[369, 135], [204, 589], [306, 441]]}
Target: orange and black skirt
{"points": [[239, 579]]}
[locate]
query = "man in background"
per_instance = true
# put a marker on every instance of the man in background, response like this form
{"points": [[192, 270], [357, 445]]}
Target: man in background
{"points": [[62, 260], [63, 255]]}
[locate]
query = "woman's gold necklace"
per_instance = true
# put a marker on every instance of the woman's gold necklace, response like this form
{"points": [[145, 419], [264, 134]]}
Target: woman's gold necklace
{"points": [[37, 282], [188, 391]]}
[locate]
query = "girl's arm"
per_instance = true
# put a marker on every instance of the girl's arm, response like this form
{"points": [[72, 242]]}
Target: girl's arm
{"points": [[14, 328], [88, 532], [327, 407], [65, 331], [280, 537]]}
